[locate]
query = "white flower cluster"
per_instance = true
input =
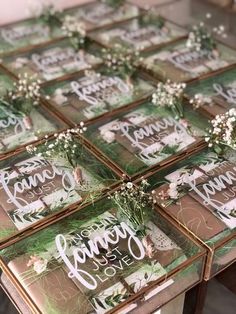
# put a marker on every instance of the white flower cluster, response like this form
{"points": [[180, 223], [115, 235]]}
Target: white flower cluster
{"points": [[42, 9], [167, 94], [92, 74], [39, 264], [199, 100], [220, 31], [223, 130], [200, 38], [121, 59], [173, 191], [170, 193], [64, 143], [27, 87], [72, 27]]}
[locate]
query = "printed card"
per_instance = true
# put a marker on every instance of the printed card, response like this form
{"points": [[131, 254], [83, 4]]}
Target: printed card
{"points": [[51, 62], [218, 93], [95, 93], [179, 63], [97, 14], [137, 35], [32, 188], [99, 258], [143, 137], [25, 33], [201, 194], [16, 130]]}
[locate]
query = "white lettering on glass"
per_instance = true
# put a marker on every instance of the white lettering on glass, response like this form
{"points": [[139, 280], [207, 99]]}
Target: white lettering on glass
{"points": [[92, 249]]}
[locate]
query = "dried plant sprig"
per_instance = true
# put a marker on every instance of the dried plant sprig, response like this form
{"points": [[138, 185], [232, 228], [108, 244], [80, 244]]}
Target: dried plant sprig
{"points": [[222, 133], [170, 94], [114, 3], [65, 147], [76, 32], [51, 16], [201, 39], [121, 60], [133, 206], [24, 96]]}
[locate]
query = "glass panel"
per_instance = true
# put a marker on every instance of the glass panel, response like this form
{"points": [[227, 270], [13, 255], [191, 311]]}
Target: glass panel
{"points": [[93, 261], [140, 33], [146, 136], [94, 93], [200, 193], [178, 63], [98, 14], [32, 187], [16, 131], [25, 33], [184, 280], [6, 82], [52, 61], [218, 93], [224, 256]]}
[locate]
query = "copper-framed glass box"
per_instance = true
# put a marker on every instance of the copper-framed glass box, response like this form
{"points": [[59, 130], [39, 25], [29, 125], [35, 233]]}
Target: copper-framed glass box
{"points": [[146, 137], [36, 189], [48, 270], [199, 194]]}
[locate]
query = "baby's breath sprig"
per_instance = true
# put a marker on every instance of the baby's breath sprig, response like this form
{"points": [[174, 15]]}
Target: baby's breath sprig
{"points": [[63, 148], [222, 134], [121, 61], [114, 3], [51, 16], [75, 31], [201, 39], [150, 18], [199, 100], [170, 95], [23, 97], [133, 207]]}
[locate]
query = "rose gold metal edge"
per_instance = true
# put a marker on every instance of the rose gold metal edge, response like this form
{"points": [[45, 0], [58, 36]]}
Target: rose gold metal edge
{"points": [[19, 287], [10, 298], [188, 262]]}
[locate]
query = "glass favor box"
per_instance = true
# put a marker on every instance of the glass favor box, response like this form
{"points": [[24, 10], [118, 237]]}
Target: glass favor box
{"points": [[17, 131], [52, 61], [139, 33], [217, 93], [26, 33], [179, 63], [174, 306], [145, 137], [96, 14], [93, 93], [6, 82], [34, 188], [92, 262], [199, 193]]}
